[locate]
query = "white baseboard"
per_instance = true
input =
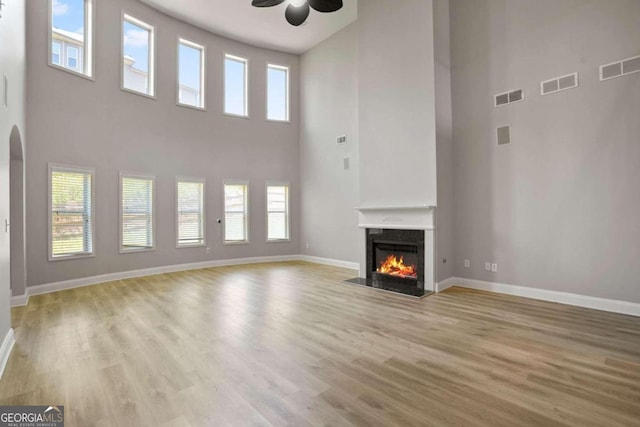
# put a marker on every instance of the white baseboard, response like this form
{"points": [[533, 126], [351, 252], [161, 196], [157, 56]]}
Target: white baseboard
{"points": [[445, 284], [331, 262], [604, 304], [46, 288], [5, 350], [20, 300]]}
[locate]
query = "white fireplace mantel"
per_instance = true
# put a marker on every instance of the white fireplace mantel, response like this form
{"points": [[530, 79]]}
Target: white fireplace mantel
{"points": [[410, 217]]}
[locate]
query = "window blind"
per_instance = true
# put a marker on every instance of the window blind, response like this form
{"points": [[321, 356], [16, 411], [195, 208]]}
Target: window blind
{"points": [[137, 212], [71, 212], [235, 213], [190, 213], [277, 212]]}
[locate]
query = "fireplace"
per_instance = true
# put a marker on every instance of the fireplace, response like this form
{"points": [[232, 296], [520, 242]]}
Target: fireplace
{"points": [[398, 252], [395, 260]]}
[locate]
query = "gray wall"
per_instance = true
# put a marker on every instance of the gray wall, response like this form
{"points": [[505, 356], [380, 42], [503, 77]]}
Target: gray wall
{"points": [[329, 193], [397, 107], [85, 123], [12, 120], [558, 208], [445, 258]]}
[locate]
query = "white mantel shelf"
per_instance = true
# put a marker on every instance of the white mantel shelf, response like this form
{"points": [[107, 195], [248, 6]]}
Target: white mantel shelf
{"points": [[398, 208]]}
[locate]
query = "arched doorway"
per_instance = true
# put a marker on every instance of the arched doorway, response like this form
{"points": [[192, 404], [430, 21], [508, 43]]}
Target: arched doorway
{"points": [[16, 195]]}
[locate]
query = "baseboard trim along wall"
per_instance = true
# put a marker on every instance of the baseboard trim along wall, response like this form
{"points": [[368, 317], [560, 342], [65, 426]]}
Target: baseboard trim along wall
{"points": [[22, 300], [604, 304], [5, 350]]}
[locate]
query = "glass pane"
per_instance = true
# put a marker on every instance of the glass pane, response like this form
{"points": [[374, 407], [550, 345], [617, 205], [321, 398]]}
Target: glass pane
{"points": [[68, 33], [235, 206], [277, 212], [137, 213], [234, 87], [277, 98], [190, 213], [136, 43], [71, 216], [190, 76]]}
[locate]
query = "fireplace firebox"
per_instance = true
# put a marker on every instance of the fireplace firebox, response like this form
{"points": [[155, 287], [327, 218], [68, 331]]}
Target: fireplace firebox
{"points": [[396, 260]]}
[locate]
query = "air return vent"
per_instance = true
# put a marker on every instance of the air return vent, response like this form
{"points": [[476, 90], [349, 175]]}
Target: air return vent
{"points": [[509, 97], [504, 135], [559, 83], [620, 68]]}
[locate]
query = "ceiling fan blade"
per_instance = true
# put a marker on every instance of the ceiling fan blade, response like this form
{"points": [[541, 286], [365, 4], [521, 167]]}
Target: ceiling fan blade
{"points": [[266, 3], [325, 5], [297, 15]]}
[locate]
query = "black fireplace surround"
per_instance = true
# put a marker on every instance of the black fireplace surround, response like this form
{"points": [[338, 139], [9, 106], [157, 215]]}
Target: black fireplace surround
{"points": [[405, 244]]}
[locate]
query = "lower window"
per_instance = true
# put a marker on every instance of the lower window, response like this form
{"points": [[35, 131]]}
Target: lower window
{"points": [[137, 216]]}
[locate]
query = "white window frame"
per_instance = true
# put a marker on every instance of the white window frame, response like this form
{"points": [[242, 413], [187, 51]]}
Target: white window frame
{"points": [[151, 74], [55, 167], [202, 181], [246, 85], [203, 68], [247, 212], [88, 54], [288, 210], [287, 69], [135, 175]]}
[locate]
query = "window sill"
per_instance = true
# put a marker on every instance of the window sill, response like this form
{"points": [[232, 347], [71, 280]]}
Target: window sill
{"points": [[72, 72], [286, 122], [187, 246], [234, 243], [237, 116], [278, 240], [191, 107], [137, 250], [135, 92], [70, 257]]}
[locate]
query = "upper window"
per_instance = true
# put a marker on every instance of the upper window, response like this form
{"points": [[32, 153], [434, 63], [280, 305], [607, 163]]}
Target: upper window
{"points": [[137, 217], [236, 212], [190, 212], [191, 73], [138, 62], [277, 93], [71, 231], [70, 32], [277, 212], [235, 86]]}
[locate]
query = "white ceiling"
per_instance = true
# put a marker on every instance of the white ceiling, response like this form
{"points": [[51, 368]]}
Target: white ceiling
{"points": [[265, 27]]}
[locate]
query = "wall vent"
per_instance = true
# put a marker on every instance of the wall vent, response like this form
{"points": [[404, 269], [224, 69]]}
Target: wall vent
{"points": [[504, 135], [559, 83], [620, 68], [509, 97], [341, 139]]}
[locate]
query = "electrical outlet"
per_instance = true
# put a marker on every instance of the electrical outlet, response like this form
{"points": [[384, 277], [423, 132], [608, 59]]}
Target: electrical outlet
{"points": [[307, 245], [208, 250], [487, 266], [341, 139], [494, 268], [467, 263]]}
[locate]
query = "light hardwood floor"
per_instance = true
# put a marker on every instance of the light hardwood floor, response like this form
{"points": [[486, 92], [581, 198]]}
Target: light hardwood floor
{"points": [[289, 344]]}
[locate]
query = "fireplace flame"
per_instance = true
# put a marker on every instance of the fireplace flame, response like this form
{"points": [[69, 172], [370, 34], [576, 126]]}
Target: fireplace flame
{"points": [[396, 267]]}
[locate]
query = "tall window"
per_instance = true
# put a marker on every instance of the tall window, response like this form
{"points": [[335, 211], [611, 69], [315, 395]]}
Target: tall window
{"points": [[70, 35], [235, 86], [277, 93], [137, 216], [277, 212], [236, 212], [190, 212], [71, 231], [138, 56], [191, 72]]}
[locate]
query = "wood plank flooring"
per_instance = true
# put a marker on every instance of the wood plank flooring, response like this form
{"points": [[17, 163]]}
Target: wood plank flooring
{"points": [[289, 344]]}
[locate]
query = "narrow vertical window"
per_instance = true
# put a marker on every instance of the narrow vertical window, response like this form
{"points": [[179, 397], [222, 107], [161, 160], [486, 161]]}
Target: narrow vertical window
{"points": [[56, 53], [235, 86], [70, 35], [190, 212], [138, 62], [277, 93], [71, 230], [236, 212], [137, 216], [191, 72], [277, 212]]}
